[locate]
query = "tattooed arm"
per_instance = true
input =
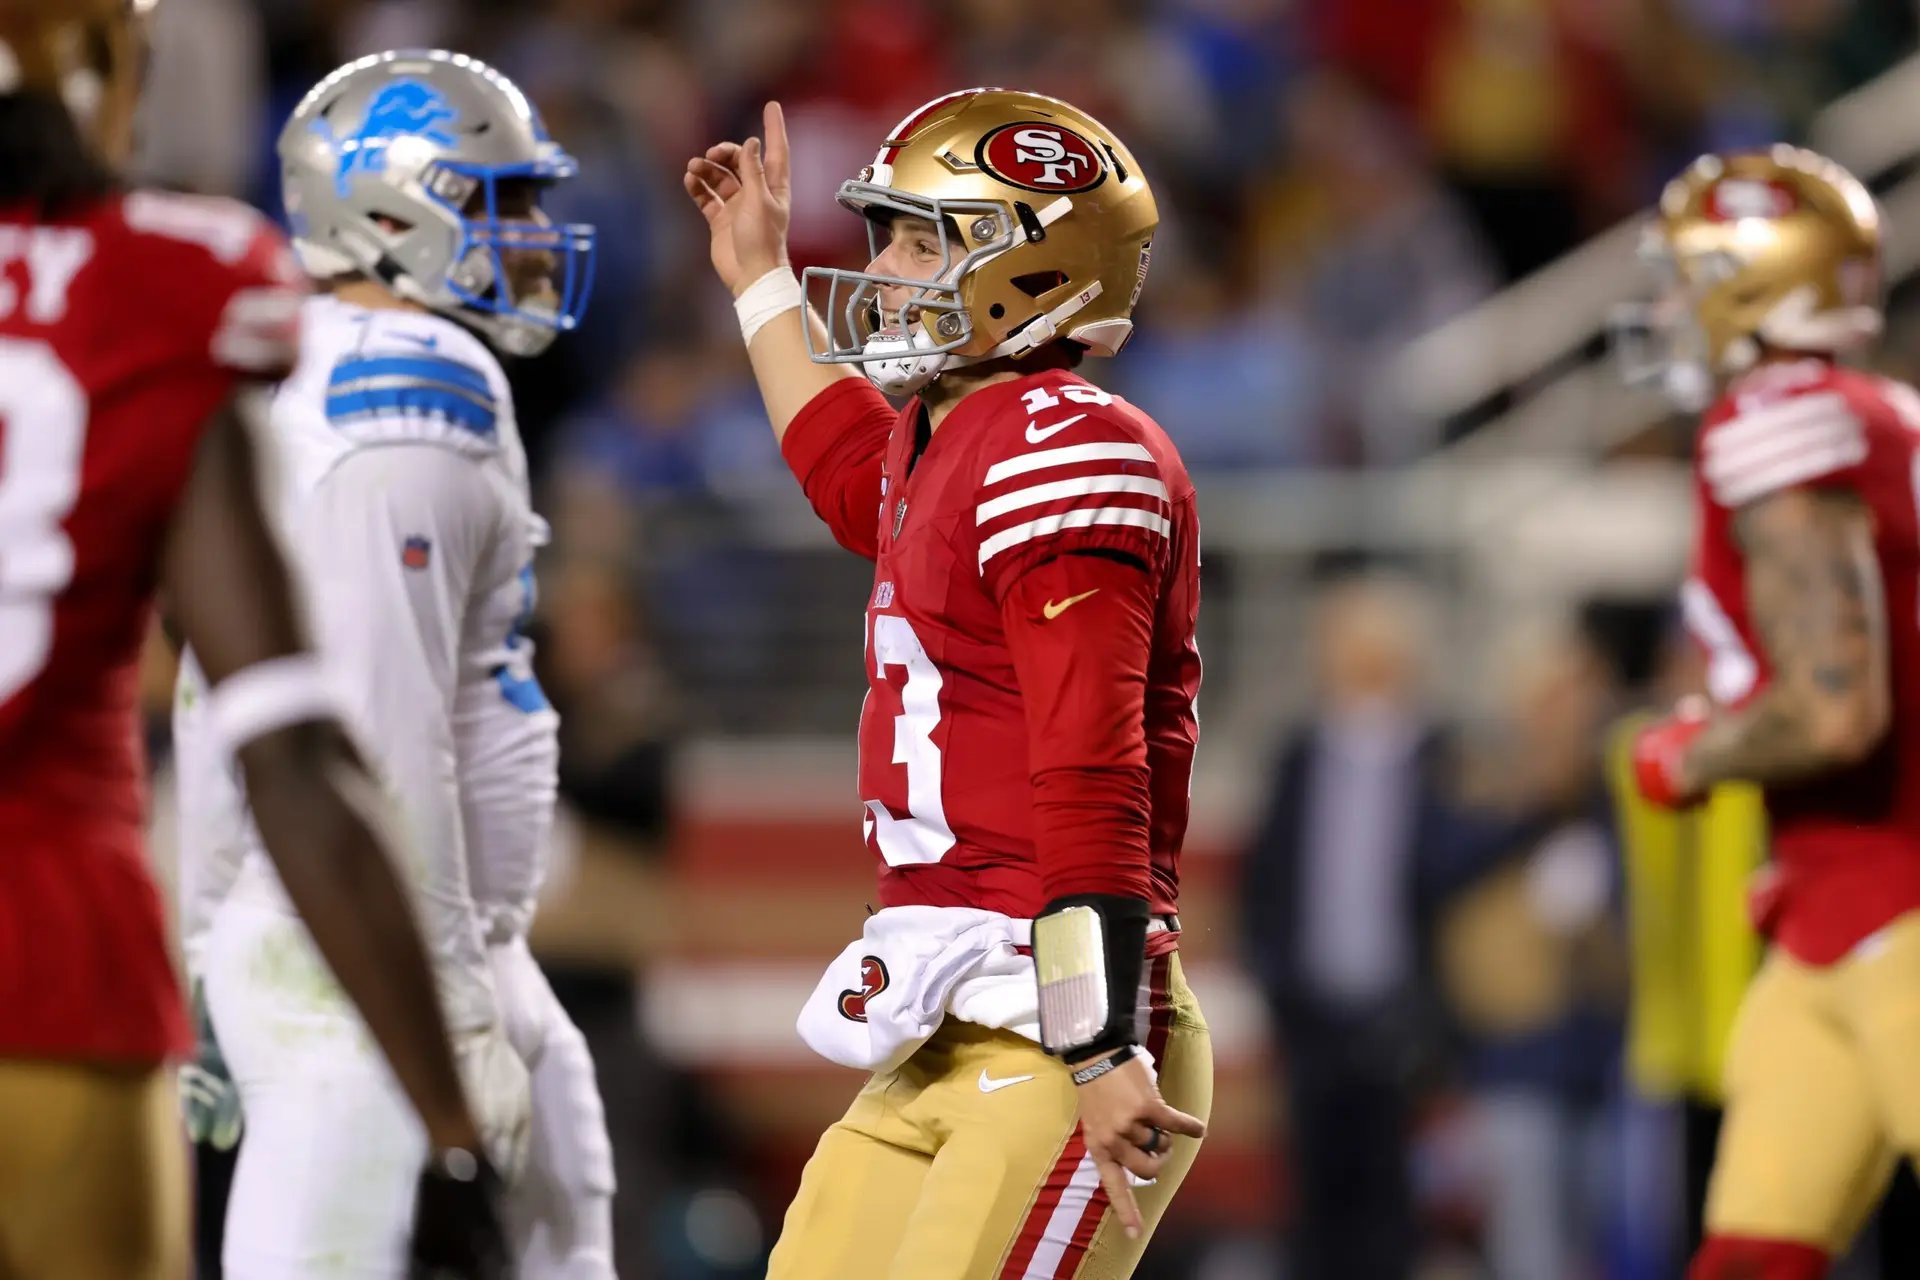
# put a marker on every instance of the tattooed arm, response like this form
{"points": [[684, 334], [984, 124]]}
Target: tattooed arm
{"points": [[1813, 592]]}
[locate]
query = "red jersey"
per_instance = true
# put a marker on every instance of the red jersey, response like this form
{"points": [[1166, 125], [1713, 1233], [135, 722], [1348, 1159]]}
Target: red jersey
{"points": [[123, 327], [1846, 845], [1019, 475]]}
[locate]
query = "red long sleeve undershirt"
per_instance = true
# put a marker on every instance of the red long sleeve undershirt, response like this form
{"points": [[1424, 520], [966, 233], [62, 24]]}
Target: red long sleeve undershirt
{"points": [[836, 446], [1083, 678]]}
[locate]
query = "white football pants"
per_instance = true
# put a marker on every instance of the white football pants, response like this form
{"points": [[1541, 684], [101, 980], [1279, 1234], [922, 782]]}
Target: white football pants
{"points": [[332, 1149], [561, 1208]]}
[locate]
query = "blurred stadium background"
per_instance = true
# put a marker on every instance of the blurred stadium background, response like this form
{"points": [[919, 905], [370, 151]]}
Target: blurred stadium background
{"points": [[1392, 230]]}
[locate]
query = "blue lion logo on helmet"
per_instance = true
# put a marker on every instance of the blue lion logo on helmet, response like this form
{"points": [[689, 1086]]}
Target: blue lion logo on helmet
{"points": [[402, 109]]}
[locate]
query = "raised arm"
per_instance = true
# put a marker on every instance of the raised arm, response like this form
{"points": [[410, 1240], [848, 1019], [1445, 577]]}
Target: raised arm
{"points": [[841, 423], [745, 192]]}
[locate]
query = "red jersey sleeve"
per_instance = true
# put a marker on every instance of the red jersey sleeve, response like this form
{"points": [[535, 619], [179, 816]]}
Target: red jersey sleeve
{"points": [[836, 446], [1080, 632], [1778, 428], [237, 294], [1077, 478]]}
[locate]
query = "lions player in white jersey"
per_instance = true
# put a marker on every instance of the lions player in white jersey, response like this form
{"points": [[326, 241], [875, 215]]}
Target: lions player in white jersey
{"points": [[412, 183]]}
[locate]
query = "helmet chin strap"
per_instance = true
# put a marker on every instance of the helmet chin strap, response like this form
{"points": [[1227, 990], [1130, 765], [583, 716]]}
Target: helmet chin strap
{"points": [[1038, 331], [1795, 323], [901, 367]]}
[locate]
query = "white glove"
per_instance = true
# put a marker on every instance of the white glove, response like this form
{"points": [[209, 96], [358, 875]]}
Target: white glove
{"points": [[501, 1095]]}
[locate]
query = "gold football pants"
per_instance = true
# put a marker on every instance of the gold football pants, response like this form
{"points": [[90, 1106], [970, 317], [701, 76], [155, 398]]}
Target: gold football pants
{"points": [[93, 1174], [1823, 1093], [965, 1163]]}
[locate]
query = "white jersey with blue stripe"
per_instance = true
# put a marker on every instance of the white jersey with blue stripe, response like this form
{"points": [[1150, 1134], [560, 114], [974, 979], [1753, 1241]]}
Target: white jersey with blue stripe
{"points": [[404, 499]]}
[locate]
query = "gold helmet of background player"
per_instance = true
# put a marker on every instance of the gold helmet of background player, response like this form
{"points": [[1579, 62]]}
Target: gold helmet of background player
{"points": [[88, 54], [1777, 249], [1045, 221]]}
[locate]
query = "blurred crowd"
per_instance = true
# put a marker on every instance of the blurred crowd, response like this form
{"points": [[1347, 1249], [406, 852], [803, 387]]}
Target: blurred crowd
{"points": [[1441, 943], [1335, 176]]}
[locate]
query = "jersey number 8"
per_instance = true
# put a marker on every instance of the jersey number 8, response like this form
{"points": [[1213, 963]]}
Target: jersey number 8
{"points": [[43, 432]]}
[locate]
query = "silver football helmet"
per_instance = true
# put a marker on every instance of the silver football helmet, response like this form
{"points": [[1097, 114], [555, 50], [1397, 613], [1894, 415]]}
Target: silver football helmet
{"points": [[391, 168]]}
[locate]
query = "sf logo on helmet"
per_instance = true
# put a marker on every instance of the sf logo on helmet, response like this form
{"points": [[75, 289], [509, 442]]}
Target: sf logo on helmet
{"points": [[1041, 157], [1736, 198], [403, 109]]}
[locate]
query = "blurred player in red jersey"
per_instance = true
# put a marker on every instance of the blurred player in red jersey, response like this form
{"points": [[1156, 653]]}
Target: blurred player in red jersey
{"points": [[132, 327], [1804, 594], [1028, 737]]}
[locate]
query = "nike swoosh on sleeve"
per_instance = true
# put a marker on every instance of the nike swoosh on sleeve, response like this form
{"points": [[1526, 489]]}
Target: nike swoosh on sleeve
{"points": [[1037, 434]]}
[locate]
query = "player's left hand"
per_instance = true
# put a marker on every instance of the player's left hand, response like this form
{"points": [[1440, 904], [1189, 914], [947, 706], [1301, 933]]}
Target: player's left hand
{"points": [[209, 1100], [500, 1091], [1129, 1128], [1660, 756]]}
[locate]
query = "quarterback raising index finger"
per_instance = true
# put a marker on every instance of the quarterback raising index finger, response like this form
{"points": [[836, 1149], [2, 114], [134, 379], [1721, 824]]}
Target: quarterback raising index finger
{"points": [[1027, 741]]}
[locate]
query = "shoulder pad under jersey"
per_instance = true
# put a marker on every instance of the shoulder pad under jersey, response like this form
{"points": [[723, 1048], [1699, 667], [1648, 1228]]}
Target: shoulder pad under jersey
{"points": [[1777, 428], [1063, 468], [404, 376]]}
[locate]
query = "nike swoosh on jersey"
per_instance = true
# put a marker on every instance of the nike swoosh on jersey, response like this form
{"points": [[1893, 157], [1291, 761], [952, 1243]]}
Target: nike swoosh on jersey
{"points": [[1036, 434], [1053, 610], [430, 341], [988, 1084]]}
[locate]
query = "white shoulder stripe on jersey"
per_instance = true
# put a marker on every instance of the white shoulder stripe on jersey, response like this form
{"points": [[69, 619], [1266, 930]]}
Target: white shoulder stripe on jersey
{"points": [[1744, 486], [1086, 517], [1757, 426], [1720, 466], [1065, 457], [1057, 489], [1779, 437]]}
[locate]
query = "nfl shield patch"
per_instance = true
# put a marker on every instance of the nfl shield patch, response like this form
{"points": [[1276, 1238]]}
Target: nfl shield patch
{"points": [[416, 553]]}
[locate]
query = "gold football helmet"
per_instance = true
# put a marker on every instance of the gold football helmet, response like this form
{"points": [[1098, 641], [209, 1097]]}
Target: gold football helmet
{"points": [[1778, 249], [1045, 221], [90, 54]]}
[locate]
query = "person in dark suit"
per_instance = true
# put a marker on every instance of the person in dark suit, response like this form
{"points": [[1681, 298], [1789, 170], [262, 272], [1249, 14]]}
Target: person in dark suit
{"points": [[1358, 847]]}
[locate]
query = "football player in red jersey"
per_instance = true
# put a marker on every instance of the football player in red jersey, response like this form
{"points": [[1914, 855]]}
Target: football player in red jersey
{"points": [[132, 327], [1805, 595], [1027, 741]]}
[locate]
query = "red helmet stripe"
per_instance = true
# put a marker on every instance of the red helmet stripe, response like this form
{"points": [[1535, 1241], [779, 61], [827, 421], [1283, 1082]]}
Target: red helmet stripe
{"points": [[898, 135]]}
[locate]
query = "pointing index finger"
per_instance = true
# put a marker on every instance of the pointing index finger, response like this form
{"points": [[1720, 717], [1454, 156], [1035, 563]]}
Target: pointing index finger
{"points": [[779, 167]]}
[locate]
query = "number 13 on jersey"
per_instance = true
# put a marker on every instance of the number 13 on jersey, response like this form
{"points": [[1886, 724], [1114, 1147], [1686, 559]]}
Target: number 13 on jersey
{"points": [[923, 834]]}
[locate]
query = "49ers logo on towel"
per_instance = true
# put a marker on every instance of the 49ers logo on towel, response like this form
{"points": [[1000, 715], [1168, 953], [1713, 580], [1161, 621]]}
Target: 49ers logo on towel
{"points": [[1041, 157], [873, 980]]}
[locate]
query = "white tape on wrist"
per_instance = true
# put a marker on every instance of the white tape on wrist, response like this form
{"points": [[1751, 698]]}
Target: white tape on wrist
{"points": [[267, 696], [773, 294]]}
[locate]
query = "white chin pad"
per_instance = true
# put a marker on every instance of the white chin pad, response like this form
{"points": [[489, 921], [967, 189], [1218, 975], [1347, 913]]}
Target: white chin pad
{"points": [[1688, 385], [900, 365]]}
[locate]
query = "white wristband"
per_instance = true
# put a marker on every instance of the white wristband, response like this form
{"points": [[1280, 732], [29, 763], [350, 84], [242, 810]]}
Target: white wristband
{"points": [[267, 696], [773, 294]]}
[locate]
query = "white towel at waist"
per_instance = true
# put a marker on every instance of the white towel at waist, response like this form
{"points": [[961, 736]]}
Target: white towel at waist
{"points": [[913, 966]]}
